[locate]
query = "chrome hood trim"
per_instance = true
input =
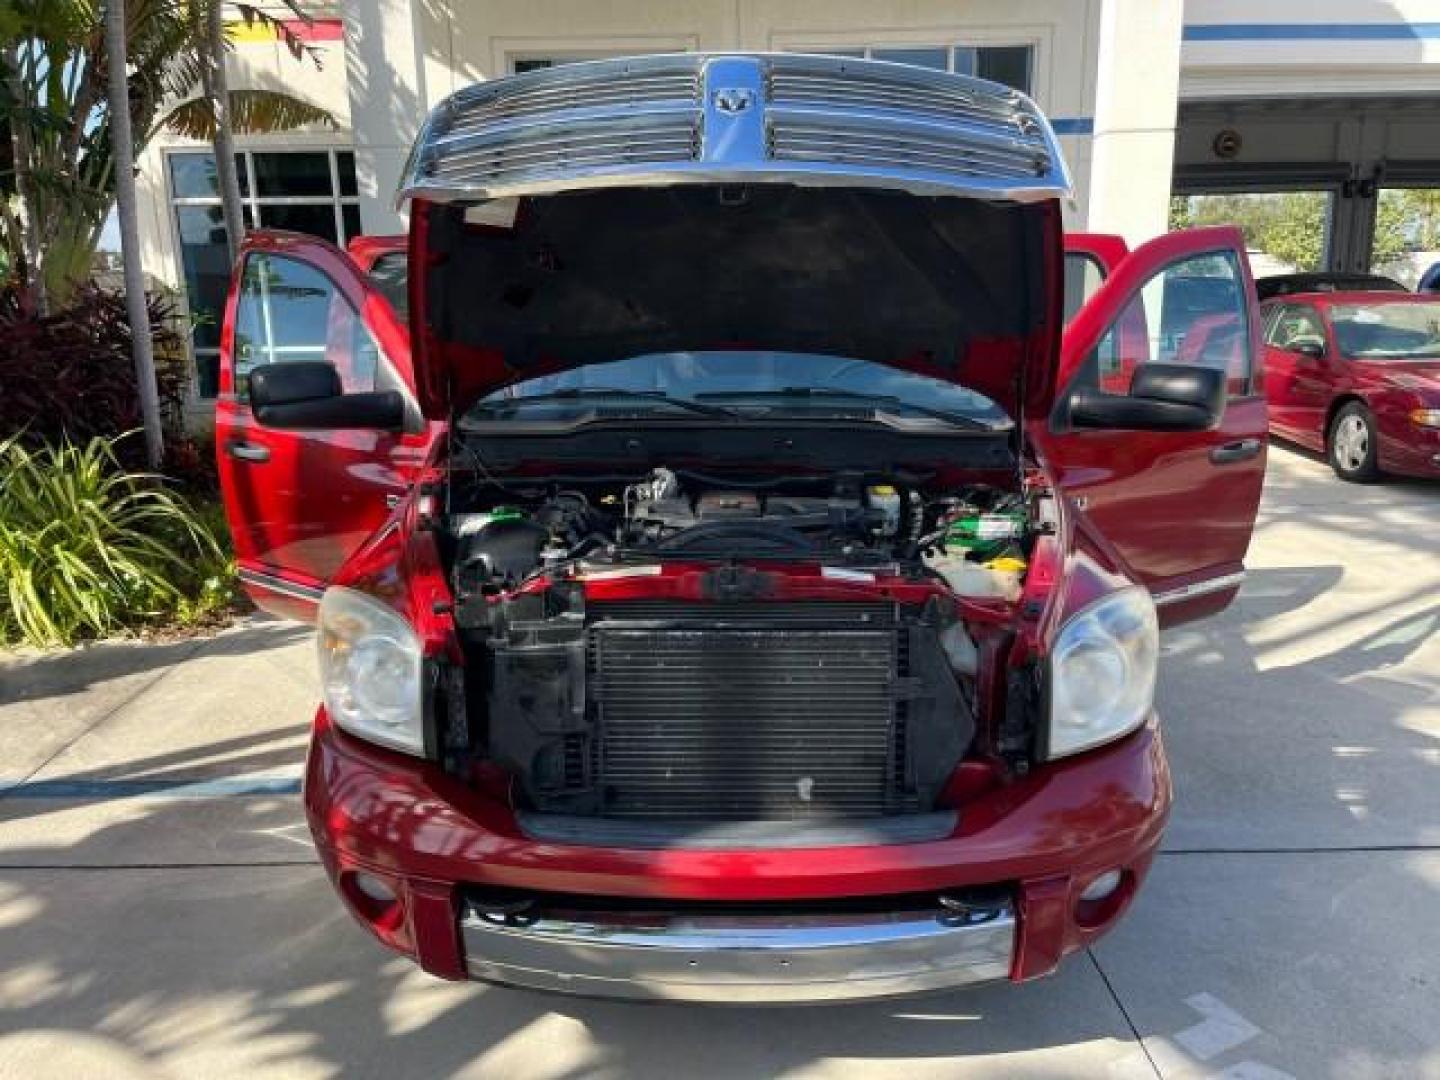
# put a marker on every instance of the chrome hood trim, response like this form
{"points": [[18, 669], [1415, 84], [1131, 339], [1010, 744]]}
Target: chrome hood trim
{"points": [[819, 121]]}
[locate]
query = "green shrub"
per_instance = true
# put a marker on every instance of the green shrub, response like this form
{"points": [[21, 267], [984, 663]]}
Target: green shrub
{"points": [[71, 374], [88, 549]]}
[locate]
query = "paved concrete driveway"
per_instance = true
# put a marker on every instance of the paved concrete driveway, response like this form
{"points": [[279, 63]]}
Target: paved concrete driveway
{"points": [[1291, 928]]}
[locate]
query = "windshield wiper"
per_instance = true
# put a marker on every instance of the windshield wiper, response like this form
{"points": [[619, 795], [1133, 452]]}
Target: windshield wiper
{"points": [[879, 403], [587, 393]]}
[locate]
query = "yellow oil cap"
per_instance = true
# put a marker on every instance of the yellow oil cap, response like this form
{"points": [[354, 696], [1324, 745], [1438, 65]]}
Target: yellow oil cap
{"points": [[1007, 563]]}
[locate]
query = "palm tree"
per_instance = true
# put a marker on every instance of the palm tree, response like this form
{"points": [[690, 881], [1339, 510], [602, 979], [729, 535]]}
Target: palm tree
{"points": [[52, 100], [215, 84], [122, 149], [213, 115]]}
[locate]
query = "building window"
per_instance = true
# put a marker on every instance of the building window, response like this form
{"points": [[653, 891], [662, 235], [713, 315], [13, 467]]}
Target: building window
{"points": [[521, 64], [309, 191], [1012, 65]]}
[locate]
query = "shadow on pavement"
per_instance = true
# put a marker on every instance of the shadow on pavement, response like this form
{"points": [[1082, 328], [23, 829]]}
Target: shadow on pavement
{"points": [[261, 970], [38, 675], [1290, 725]]}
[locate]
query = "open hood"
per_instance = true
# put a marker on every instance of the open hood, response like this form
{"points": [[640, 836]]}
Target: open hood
{"points": [[596, 211], [954, 288]]}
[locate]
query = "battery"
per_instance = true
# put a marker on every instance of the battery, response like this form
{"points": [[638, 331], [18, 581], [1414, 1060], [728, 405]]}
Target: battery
{"points": [[984, 533]]}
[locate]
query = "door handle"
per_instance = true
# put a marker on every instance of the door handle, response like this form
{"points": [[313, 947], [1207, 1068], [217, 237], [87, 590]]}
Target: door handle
{"points": [[247, 451], [1235, 451]]}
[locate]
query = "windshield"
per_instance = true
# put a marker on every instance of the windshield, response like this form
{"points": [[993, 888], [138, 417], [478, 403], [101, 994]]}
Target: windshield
{"points": [[1388, 331], [740, 385]]}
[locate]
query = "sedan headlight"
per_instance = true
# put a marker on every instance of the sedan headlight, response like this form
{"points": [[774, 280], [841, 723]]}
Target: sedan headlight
{"points": [[370, 670], [1425, 417], [1102, 672]]}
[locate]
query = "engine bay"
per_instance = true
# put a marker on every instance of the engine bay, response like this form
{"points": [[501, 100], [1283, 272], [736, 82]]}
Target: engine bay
{"points": [[976, 539], [638, 648]]}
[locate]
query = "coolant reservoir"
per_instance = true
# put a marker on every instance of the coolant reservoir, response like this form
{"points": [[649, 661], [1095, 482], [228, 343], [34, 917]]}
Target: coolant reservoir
{"points": [[1000, 577]]}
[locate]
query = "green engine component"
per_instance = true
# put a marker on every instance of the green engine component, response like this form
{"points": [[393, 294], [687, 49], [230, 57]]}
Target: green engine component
{"points": [[984, 534]]}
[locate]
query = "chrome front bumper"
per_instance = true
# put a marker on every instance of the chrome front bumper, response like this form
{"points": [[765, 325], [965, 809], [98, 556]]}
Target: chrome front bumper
{"points": [[740, 958]]}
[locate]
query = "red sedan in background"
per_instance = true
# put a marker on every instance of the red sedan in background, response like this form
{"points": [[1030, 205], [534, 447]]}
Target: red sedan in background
{"points": [[1356, 376]]}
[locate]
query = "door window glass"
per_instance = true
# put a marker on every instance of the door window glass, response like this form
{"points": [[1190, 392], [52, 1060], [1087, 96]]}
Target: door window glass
{"points": [[1296, 325], [1192, 312], [305, 191], [289, 310], [1407, 236]]}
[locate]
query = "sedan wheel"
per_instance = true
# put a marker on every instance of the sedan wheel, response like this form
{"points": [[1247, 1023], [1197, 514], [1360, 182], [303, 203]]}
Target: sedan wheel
{"points": [[1352, 444]]}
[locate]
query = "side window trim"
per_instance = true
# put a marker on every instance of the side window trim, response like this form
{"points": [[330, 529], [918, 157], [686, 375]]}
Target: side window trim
{"points": [[1090, 262]]}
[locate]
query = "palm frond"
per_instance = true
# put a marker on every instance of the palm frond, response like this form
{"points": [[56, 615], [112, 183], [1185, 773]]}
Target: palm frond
{"points": [[252, 112]]}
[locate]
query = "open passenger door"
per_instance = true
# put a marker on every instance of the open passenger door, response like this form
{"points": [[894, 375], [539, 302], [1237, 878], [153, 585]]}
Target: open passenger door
{"points": [[300, 503], [1178, 506]]}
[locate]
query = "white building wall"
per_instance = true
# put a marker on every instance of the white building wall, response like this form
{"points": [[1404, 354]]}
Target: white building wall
{"points": [[434, 47], [1137, 62], [251, 63]]}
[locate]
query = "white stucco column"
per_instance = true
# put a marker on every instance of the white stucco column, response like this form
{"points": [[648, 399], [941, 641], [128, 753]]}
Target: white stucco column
{"points": [[386, 72], [1137, 86]]}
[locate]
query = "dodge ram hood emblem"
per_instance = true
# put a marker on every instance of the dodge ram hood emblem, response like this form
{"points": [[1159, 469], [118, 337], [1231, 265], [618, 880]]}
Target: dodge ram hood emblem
{"points": [[734, 99]]}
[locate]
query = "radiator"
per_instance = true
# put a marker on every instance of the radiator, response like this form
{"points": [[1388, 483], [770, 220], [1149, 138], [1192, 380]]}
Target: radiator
{"points": [[747, 711]]}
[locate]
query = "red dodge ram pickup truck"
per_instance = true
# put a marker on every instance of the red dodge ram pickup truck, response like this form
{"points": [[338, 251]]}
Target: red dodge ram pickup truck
{"points": [[734, 579]]}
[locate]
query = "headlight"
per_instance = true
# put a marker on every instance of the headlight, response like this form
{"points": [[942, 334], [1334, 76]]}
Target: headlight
{"points": [[1425, 417], [370, 670], [1102, 672]]}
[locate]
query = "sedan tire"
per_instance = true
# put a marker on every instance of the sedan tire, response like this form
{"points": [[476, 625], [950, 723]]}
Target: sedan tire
{"points": [[1352, 444]]}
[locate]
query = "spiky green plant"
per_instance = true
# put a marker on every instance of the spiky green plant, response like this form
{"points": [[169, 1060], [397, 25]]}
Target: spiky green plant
{"points": [[88, 549]]}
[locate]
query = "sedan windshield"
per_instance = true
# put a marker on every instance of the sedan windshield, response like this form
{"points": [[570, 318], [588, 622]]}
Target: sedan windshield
{"points": [[740, 385], [1388, 331]]}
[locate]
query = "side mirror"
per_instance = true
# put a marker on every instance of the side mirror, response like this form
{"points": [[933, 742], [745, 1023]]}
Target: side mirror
{"points": [[1313, 348], [1163, 397], [307, 394]]}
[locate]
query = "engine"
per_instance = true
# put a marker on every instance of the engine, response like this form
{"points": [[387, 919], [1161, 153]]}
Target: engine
{"points": [[499, 547]]}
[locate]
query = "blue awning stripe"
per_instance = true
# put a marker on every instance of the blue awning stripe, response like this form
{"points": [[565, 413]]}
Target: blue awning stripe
{"points": [[1391, 31], [1073, 125]]}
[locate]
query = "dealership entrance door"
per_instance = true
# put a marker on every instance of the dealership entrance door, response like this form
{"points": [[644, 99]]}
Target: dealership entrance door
{"points": [[1316, 183]]}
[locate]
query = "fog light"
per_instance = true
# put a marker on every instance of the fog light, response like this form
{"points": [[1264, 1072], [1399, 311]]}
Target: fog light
{"points": [[1101, 887]]}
